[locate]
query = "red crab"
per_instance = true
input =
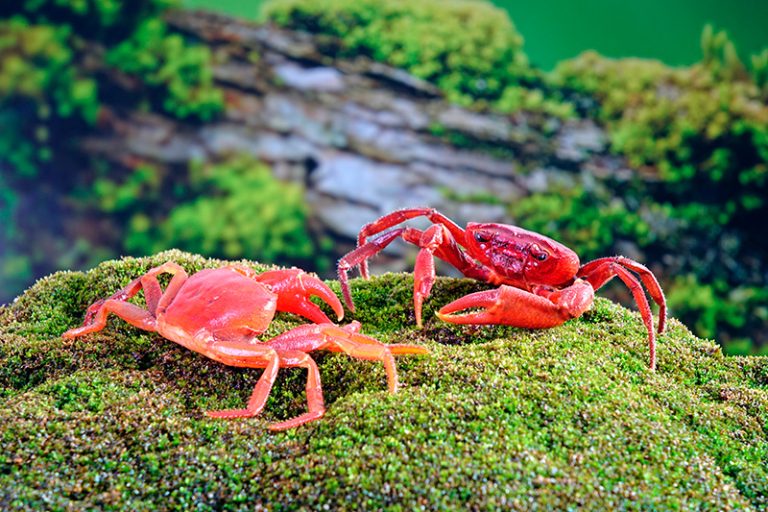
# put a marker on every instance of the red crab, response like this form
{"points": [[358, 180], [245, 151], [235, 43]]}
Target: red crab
{"points": [[541, 281], [219, 312]]}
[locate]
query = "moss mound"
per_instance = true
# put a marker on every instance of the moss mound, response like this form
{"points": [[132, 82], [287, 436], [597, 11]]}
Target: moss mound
{"points": [[493, 417]]}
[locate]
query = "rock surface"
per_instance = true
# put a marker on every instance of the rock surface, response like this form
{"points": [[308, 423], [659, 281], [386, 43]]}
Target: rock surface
{"points": [[363, 138]]}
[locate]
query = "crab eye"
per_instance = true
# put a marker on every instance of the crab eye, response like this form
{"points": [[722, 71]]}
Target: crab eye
{"points": [[539, 253], [482, 238]]}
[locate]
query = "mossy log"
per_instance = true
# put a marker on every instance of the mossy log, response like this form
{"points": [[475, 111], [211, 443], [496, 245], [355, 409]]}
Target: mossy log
{"points": [[492, 418]]}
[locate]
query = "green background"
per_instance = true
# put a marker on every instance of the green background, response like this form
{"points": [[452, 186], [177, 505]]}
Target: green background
{"points": [[560, 29]]}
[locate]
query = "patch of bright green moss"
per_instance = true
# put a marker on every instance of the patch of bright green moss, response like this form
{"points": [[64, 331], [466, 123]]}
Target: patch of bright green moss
{"points": [[493, 418]]}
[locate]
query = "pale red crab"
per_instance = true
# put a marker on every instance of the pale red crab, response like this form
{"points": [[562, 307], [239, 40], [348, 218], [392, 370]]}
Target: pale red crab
{"points": [[541, 282], [219, 312]]}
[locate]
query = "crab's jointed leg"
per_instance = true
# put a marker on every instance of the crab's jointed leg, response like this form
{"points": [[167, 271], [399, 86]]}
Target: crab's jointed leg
{"points": [[96, 315], [437, 240], [398, 216], [131, 313], [602, 270], [263, 356], [290, 349], [360, 257]]}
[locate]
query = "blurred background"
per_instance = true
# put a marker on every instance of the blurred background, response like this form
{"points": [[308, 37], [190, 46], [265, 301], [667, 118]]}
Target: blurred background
{"points": [[274, 130]]}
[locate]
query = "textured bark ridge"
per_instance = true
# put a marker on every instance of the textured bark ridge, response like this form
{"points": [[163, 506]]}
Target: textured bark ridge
{"points": [[363, 138]]}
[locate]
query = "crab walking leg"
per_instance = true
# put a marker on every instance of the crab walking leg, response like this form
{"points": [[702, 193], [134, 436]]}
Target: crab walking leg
{"points": [[264, 356], [397, 349], [177, 281], [398, 216], [152, 292], [290, 350], [353, 326], [436, 241], [512, 306], [363, 347], [600, 271], [307, 338], [131, 313], [249, 356], [358, 257], [638, 293], [274, 361], [315, 405], [424, 269]]}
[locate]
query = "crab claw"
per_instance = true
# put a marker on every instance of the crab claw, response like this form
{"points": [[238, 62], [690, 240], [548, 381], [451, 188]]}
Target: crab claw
{"points": [[475, 308], [294, 288], [506, 305]]}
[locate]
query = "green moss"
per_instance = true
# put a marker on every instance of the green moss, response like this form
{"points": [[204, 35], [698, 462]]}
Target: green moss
{"points": [[493, 417], [60, 62], [178, 75], [587, 216], [469, 49], [702, 132], [217, 219]]}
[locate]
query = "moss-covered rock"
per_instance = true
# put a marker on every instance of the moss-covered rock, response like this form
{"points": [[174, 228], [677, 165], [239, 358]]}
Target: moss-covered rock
{"points": [[471, 50], [493, 417]]}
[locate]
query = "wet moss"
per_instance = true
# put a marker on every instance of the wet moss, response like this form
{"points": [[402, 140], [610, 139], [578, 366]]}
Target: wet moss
{"points": [[493, 417]]}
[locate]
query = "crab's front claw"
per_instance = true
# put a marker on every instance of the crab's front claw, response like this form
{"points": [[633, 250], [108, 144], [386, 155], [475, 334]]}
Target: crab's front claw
{"points": [[506, 305], [476, 308], [294, 289]]}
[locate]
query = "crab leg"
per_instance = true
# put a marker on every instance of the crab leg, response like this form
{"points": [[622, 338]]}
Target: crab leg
{"points": [[153, 293], [436, 241], [96, 315], [295, 287], [397, 349], [600, 271], [359, 257], [395, 218], [289, 350], [360, 346], [424, 272], [344, 339], [431, 241], [131, 313], [261, 356], [315, 403], [250, 356]]}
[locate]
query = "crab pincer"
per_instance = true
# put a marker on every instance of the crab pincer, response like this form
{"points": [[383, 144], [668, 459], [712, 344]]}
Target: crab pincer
{"points": [[294, 288]]}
